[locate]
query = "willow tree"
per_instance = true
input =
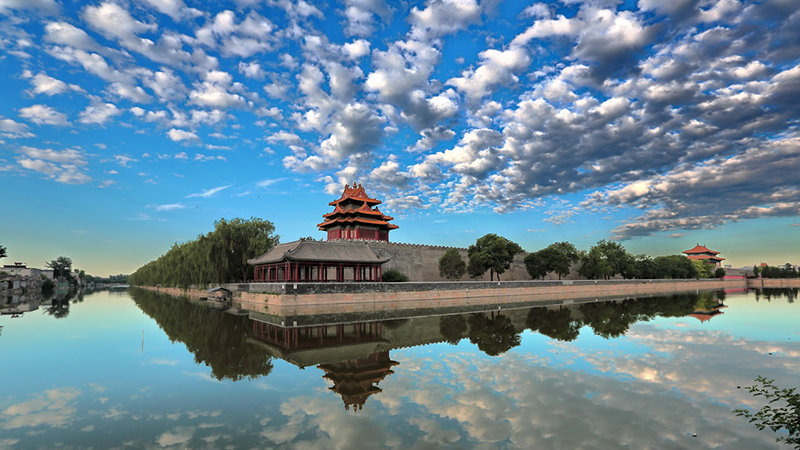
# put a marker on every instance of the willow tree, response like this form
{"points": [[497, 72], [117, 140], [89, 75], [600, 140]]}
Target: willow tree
{"points": [[219, 256]]}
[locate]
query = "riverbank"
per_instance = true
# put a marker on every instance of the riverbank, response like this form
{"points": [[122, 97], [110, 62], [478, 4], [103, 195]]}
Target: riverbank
{"points": [[295, 299]]}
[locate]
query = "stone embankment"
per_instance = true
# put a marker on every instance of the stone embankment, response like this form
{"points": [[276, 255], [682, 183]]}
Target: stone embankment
{"points": [[288, 299]]}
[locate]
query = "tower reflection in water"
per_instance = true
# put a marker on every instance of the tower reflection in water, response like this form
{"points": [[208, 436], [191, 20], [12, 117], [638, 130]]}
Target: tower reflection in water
{"points": [[353, 349], [354, 356]]}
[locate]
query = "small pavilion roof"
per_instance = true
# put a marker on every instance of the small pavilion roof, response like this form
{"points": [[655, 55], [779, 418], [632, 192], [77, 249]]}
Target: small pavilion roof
{"points": [[320, 251], [355, 193], [701, 256], [700, 249], [350, 220]]}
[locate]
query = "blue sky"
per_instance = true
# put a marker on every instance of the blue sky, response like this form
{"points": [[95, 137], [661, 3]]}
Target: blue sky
{"points": [[126, 126]]}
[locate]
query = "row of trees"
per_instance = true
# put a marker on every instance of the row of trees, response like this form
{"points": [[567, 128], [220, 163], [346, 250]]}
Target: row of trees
{"points": [[604, 260], [219, 256], [785, 271]]}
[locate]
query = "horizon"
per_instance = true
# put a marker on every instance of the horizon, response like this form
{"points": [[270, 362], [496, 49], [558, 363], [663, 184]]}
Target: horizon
{"points": [[131, 125]]}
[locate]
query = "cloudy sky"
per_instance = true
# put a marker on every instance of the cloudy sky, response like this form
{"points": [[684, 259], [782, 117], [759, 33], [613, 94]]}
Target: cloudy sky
{"points": [[126, 126]]}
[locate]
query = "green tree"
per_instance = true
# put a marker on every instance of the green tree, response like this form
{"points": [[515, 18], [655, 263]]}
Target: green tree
{"points": [[62, 267], [719, 273], [782, 411], [702, 269], [536, 264], [493, 253], [219, 256], [560, 257], [394, 276], [645, 267], [593, 264], [3, 252], [556, 258], [451, 266], [674, 267]]}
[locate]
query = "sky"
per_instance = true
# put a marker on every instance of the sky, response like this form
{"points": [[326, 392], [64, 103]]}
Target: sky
{"points": [[127, 126]]}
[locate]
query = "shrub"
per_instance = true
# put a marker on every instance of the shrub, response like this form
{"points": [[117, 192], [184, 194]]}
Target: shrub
{"points": [[394, 275]]}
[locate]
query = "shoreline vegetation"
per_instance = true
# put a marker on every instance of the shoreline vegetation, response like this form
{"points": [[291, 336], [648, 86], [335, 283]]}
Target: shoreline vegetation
{"points": [[220, 257]]}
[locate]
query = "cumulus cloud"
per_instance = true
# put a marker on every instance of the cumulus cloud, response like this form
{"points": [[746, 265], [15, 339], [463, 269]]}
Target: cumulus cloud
{"points": [[182, 135], [14, 130], [44, 115], [64, 166], [99, 113]]}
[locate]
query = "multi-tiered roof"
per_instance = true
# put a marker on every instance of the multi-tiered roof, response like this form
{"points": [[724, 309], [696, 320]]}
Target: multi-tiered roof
{"points": [[703, 253], [356, 216]]}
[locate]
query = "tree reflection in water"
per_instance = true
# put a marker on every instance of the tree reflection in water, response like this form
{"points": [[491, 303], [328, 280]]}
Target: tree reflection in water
{"points": [[59, 305], [769, 294], [554, 323], [216, 339], [453, 328], [494, 335]]}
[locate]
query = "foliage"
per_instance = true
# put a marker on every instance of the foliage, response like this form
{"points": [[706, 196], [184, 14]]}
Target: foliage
{"points": [[493, 253], [785, 271], [554, 323], [493, 336], [453, 328], [217, 257], [62, 267], [47, 286], [3, 252], [719, 273], [394, 276], [702, 269], [218, 340], [593, 264], [451, 266], [782, 411], [556, 258], [674, 267]]}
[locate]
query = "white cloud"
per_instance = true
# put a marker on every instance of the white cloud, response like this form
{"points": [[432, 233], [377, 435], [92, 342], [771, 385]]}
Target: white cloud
{"points": [[182, 135], [168, 207], [99, 113], [44, 115], [209, 192], [14, 130]]}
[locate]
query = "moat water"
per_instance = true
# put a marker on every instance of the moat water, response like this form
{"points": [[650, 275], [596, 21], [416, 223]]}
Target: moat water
{"points": [[134, 369]]}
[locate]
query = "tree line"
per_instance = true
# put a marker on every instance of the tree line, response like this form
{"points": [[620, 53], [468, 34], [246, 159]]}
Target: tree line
{"points": [[785, 271], [219, 256], [605, 260]]}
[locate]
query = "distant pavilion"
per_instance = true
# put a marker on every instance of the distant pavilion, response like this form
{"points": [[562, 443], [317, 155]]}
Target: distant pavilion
{"points": [[703, 253], [343, 257]]}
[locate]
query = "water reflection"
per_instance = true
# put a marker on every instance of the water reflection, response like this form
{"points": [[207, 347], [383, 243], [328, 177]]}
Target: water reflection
{"points": [[777, 293], [657, 383], [217, 340], [354, 353]]}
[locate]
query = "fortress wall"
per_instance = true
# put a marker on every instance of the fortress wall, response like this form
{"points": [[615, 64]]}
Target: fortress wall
{"points": [[421, 262], [300, 300], [759, 283]]}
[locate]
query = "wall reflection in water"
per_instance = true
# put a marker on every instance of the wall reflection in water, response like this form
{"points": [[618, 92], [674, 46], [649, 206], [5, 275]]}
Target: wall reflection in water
{"points": [[353, 350]]}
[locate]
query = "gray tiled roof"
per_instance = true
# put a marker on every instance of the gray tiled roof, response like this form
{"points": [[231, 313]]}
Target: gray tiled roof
{"points": [[320, 251]]}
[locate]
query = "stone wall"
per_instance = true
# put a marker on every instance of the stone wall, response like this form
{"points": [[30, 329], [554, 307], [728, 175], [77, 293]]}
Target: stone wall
{"points": [[421, 262], [760, 283], [319, 298]]}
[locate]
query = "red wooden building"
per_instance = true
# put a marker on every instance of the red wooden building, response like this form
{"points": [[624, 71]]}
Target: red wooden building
{"points": [[703, 253], [318, 261], [356, 216]]}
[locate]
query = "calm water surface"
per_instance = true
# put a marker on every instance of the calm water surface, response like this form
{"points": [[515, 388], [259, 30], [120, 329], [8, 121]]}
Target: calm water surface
{"points": [[138, 370]]}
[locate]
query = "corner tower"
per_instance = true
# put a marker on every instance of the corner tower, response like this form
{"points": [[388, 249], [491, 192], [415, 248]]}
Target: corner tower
{"points": [[356, 216]]}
